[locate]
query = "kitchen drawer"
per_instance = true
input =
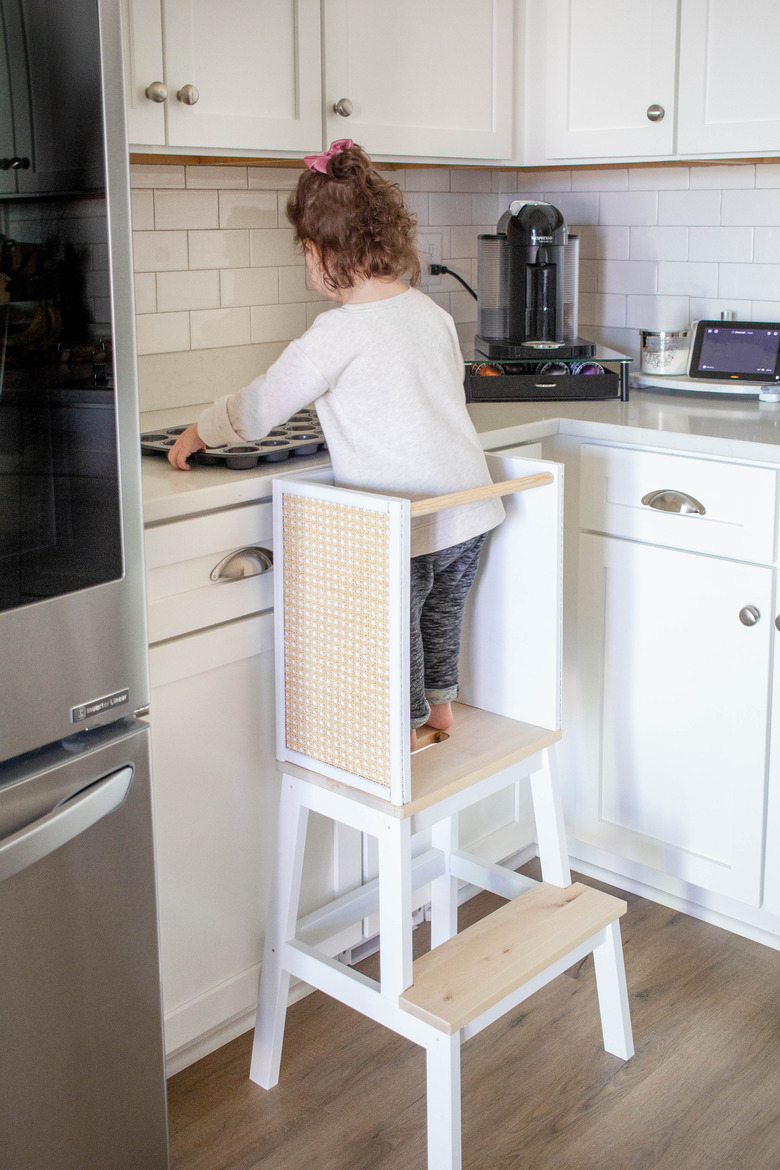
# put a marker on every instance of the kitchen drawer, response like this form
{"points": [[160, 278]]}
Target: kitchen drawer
{"points": [[180, 556], [738, 500]]}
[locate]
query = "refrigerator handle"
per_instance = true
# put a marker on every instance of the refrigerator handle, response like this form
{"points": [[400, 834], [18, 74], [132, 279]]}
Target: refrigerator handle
{"points": [[65, 821]]}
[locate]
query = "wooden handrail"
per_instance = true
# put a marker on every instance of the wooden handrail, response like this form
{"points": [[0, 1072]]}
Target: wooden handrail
{"points": [[489, 491]]}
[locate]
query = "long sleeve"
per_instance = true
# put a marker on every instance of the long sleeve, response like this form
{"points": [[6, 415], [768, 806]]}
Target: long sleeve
{"points": [[292, 382]]}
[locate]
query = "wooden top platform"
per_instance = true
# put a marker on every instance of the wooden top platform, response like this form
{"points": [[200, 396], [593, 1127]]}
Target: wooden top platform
{"points": [[470, 973], [479, 744]]}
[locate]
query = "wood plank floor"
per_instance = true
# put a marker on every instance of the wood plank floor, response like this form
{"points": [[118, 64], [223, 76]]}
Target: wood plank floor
{"points": [[539, 1092]]}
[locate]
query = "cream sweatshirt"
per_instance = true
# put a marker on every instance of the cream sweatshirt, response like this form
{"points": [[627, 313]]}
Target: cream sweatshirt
{"points": [[386, 378]]}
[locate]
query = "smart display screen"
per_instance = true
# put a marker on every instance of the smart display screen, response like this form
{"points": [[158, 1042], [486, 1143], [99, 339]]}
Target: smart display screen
{"points": [[744, 351]]}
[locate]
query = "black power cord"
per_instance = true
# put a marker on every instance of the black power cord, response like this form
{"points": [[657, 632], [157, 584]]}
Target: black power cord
{"points": [[443, 270]]}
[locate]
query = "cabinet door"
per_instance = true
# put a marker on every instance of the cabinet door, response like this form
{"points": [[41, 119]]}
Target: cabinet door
{"points": [[431, 79], [672, 713], [216, 792], [729, 96], [601, 65], [256, 65], [143, 36]]}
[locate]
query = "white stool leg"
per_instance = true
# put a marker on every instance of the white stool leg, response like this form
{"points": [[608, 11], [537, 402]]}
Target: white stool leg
{"points": [[613, 994], [443, 1099], [444, 889], [395, 906], [550, 829], [282, 919]]}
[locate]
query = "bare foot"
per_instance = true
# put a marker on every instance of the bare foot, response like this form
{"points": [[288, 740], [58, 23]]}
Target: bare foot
{"points": [[414, 740], [441, 716]]}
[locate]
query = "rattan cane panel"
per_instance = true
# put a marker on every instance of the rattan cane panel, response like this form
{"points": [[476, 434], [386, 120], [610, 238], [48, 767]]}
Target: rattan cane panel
{"points": [[337, 635]]}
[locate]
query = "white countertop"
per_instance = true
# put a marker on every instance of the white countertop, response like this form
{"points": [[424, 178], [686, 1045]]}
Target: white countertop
{"points": [[719, 426]]}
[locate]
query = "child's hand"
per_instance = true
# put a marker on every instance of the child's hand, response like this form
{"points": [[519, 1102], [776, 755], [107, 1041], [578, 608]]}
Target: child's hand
{"points": [[187, 444]]}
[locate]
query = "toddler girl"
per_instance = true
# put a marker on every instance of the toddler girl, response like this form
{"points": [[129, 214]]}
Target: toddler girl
{"points": [[385, 373]]}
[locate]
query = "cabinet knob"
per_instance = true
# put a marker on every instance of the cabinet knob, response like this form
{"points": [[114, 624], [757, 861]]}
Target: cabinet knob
{"points": [[157, 91], [244, 562], [188, 95], [655, 112], [670, 500], [749, 615], [343, 107]]}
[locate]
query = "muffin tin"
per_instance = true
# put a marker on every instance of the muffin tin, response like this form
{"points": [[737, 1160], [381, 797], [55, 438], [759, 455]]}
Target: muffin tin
{"points": [[300, 435]]}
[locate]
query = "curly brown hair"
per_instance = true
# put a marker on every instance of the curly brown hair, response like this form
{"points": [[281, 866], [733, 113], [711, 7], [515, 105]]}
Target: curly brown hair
{"points": [[357, 220]]}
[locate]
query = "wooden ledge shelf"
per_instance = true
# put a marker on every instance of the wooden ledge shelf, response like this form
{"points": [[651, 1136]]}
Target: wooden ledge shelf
{"points": [[472, 972]]}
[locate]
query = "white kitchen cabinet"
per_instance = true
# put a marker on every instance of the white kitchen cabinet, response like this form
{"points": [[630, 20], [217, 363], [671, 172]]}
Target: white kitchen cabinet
{"points": [[600, 79], [729, 93], [214, 778], [256, 66], [672, 702], [431, 79]]}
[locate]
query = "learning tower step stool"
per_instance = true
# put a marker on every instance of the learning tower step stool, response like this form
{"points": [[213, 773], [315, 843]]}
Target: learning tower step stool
{"points": [[342, 646]]}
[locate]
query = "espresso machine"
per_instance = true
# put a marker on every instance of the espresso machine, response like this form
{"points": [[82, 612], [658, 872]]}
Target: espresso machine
{"points": [[528, 281], [527, 320]]}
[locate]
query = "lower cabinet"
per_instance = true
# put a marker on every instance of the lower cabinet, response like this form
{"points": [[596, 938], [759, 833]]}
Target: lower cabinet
{"points": [[216, 792], [672, 710]]}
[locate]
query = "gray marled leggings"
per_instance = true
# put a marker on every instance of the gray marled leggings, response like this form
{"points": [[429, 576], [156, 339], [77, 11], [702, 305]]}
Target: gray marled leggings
{"points": [[439, 584]]}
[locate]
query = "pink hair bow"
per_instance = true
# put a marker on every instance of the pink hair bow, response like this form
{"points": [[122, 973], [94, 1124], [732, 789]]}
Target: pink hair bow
{"points": [[319, 162]]}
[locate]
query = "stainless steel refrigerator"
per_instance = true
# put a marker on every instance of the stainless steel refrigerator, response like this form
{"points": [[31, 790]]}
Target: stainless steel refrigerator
{"points": [[82, 1083]]}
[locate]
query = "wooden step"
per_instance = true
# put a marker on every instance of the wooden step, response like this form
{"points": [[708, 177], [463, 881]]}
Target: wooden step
{"points": [[470, 973]]}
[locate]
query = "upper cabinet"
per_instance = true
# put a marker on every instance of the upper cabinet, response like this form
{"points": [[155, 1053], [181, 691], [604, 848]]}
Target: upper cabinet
{"points": [[729, 89], [432, 79], [601, 78], [234, 75], [610, 80], [249, 75]]}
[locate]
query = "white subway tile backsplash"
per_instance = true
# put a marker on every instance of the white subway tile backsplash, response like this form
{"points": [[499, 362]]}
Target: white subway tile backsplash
{"points": [[604, 243], [187, 290], [447, 208], [578, 208], [277, 322], [484, 209], [216, 177], [162, 332], [471, 179], [750, 281], [273, 246], [154, 175], [751, 207], [145, 292], [220, 284], [219, 249], [217, 328], [627, 276], [159, 251], [174, 210], [250, 286], [659, 178], [721, 243], [658, 243], [599, 180], [248, 209], [142, 210], [699, 280], [722, 178], [659, 312], [274, 178], [628, 207]]}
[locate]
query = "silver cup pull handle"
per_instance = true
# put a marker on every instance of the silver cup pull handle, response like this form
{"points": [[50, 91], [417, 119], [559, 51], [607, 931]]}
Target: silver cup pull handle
{"points": [[670, 500], [244, 562]]}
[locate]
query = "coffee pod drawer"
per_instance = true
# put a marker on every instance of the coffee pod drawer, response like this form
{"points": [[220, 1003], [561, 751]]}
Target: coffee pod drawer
{"points": [[208, 569], [702, 505]]}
